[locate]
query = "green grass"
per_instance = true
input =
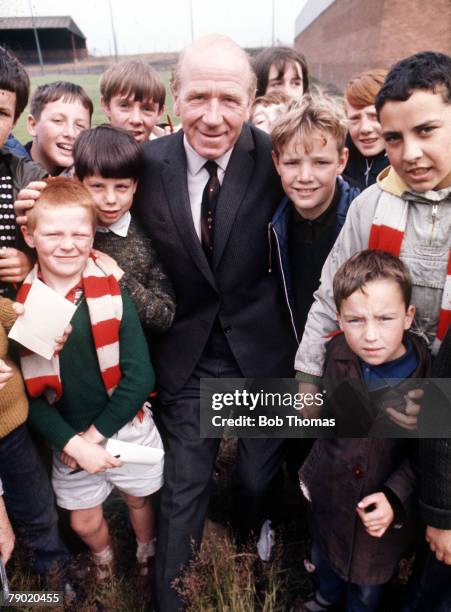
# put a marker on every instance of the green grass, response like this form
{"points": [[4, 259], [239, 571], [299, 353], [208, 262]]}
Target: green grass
{"points": [[90, 82]]}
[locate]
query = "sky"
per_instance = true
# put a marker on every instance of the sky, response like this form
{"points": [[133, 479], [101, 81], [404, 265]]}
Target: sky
{"points": [[145, 26]]}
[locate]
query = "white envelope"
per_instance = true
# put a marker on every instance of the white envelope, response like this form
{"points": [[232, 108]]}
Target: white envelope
{"points": [[47, 314], [134, 453]]}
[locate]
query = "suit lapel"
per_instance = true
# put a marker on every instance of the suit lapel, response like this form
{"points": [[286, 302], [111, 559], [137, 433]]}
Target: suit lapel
{"points": [[176, 188], [233, 189]]}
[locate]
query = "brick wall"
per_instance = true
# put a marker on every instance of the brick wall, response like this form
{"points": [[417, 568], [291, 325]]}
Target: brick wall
{"points": [[354, 35]]}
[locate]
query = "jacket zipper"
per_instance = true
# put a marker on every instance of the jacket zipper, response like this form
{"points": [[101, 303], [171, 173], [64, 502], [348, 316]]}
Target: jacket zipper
{"points": [[270, 227], [434, 218]]}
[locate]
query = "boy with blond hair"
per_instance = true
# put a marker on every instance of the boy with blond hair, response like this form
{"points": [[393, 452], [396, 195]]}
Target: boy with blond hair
{"points": [[132, 97], [268, 108], [309, 154], [96, 387]]}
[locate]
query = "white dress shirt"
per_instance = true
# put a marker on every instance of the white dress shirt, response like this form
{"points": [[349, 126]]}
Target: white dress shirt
{"points": [[119, 227], [198, 177]]}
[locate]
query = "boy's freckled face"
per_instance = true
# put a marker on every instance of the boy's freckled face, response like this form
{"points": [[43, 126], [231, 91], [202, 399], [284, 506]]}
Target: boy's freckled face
{"points": [[290, 82], [63, 240], [365, 129], [308, 174], [112, 197], [374, 321], [417, 136], [7, 111], [55, 131], [138, 118]]}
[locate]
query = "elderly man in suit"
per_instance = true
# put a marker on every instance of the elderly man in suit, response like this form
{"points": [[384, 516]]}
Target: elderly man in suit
{"points": [[206, 198]]}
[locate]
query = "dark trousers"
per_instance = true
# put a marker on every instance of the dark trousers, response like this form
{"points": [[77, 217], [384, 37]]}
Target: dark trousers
{"points": [[430, 586], [29, 500], [189, 462]]}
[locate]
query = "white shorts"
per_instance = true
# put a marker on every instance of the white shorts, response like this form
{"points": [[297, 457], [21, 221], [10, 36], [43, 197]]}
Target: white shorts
{"points": [[83, 490]]}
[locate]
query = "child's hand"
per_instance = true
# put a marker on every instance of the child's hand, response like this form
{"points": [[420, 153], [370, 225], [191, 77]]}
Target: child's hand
{"points": [[61, 340], [376, 514], [14, 265], [409, 418], [6, 373], [7, 537], [67, 460], [26, 199], [93, 435], [108, 264], [90, 457], [439, 541]]}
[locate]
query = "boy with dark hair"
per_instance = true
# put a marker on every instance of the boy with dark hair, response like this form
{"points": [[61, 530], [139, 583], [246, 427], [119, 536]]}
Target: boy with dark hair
{"points": [[59, 111], [362, 490], [281, 69], [408, 211], [132, 97], [96, 387], [15, 173], [108, 161]]}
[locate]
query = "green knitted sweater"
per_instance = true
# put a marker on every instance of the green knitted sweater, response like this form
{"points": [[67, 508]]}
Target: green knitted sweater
{"points": [[84, 400]]}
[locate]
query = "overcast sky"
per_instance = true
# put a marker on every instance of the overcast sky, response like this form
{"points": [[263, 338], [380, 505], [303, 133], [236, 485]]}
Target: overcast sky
{"points": [[164, 25]]}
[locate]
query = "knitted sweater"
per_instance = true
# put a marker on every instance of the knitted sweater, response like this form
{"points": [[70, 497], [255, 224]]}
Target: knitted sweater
{"points": [[13, 400], [144, 280], [85, 400]]}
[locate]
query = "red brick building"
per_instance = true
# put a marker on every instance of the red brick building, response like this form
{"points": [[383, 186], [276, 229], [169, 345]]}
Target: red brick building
{"points": [[340, 38]]}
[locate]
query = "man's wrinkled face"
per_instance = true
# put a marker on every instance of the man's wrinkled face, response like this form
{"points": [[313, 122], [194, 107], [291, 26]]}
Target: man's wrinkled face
{"points": [[213, 100]]}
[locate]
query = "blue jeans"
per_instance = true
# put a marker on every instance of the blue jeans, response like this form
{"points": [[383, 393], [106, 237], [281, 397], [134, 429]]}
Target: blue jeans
{"points": [[358, 597], [29, 500]]}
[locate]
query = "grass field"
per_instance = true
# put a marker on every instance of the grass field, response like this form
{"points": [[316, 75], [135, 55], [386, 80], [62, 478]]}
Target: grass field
{"points": [[90, 82]]}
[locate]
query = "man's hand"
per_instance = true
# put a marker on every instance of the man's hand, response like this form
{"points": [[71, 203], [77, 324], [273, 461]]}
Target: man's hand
{"points": [[26, 199], [376, 514], [439, 541], [90, 457], [14, 265], [409, 418], [6, 373], [108, 264], [7, 538]]}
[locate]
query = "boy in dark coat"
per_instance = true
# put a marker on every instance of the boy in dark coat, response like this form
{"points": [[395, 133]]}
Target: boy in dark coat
{"points": [[362, 490]]}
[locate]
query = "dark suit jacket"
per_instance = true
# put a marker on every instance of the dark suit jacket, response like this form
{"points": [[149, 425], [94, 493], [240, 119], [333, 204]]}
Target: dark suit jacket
{"points": [[240, 290]]}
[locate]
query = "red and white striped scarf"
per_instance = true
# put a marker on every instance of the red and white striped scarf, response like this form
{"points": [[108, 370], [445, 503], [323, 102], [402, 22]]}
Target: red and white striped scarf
{"points": [[387, 234], [104, 301]]}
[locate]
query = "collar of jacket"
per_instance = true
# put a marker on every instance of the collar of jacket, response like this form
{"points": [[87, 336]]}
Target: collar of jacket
{"points": [[389, 181]]}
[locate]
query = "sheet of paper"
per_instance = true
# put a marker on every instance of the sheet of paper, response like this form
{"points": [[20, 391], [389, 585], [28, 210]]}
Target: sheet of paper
{"points": [[134, 453], [47, 314]]}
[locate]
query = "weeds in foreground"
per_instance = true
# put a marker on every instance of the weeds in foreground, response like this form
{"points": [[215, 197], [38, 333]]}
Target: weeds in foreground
{"points": [[222, 578]]}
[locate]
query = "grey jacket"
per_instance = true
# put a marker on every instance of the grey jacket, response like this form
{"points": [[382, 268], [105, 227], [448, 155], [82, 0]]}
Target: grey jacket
{"points": [[425, 252]]}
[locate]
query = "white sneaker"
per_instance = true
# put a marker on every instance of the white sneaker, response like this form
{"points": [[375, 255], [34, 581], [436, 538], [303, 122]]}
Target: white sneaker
{"points": [[265, 541]]}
